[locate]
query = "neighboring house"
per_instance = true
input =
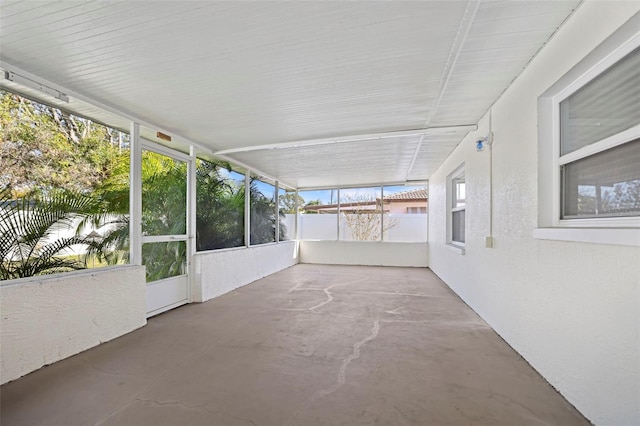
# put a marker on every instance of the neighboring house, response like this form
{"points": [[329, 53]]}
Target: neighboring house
{"points": [[407, 202]]}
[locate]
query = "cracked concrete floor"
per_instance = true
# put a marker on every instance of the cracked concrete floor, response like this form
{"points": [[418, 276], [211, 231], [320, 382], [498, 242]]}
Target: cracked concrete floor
{"points": [[310, 345]]}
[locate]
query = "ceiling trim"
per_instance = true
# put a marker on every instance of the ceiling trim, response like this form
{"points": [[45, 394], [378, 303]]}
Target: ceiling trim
{"points": [[414, 182], [461, 37], [252, 170], [352, 138], [415, 156]]}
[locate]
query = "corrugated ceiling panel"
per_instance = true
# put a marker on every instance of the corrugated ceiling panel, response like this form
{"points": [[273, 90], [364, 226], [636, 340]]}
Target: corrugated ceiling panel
{"points": [[502, 39], [434, 150], [233, 74], [238, 74], [338, 164]]}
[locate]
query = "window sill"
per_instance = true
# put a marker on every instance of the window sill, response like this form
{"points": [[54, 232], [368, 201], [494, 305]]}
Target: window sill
{"points": [[455, 248], [619, 236]]}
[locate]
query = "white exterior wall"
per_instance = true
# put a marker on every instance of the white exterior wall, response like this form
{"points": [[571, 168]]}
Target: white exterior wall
{"points": [[371, 253], [220, 271], [570, 309], [49, 318]]}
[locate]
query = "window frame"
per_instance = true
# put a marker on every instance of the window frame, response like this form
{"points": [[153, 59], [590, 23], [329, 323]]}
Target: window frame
{"points": [[452, 207], [607, 230]]}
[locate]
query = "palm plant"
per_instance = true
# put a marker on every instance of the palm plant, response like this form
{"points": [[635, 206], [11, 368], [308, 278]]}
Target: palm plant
{"points": [[28, 234]]}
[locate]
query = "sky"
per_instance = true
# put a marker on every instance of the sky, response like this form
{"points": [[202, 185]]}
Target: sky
{"points": [[328, 196]]}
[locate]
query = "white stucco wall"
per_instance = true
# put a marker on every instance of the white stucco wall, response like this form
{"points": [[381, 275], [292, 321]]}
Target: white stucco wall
{"points": [[570, 309], [373, 253], [49, 318], [220, 271]]}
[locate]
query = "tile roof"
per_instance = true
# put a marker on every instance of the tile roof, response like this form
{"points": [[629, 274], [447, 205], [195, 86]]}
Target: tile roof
{"points": [[414, 194]]}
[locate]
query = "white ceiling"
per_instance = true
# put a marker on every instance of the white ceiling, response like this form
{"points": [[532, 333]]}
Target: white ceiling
{"points": [[230, 76]]}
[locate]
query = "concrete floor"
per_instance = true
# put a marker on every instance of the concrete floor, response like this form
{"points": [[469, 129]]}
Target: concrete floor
{"points": [[311, 345]]}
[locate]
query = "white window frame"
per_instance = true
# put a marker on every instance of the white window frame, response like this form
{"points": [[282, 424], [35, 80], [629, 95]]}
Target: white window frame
{"points": [[458, 172], [622, 230]]}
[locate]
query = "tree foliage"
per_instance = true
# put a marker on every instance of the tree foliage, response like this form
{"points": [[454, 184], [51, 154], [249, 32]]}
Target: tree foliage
{"points": [[45, 149], [28, 234], [288, 203]]}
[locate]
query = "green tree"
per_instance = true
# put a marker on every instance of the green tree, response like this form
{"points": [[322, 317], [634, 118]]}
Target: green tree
{"points": [[288, 203], [44, 148]]}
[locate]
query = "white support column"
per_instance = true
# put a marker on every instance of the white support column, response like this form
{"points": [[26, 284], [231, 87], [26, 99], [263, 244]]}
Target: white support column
{"points": [[297, 217], [277, 198], [191, 218], [338, 210], [247, 208], [135, 196]]}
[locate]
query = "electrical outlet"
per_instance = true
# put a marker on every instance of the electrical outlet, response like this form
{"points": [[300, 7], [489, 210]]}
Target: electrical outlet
{"points": [[488, 242]]}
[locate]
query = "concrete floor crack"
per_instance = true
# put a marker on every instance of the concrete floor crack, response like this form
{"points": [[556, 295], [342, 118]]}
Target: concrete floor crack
{"points": [[342, 371], [327, 291]]}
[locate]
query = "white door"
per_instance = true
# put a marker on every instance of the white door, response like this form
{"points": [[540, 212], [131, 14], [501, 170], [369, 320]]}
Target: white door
{"points": [[165, 246]]}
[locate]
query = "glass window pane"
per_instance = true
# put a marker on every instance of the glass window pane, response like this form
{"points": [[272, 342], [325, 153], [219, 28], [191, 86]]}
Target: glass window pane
{"points": [[360, 214], [263, 212], [219, 207], [164, 260], [458, 191], [405, 213], [607, 105], [318, 218], [457, 228], [164, 195], [606, 184]]}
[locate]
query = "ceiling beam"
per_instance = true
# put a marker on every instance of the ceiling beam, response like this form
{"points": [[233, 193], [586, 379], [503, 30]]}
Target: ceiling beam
{"points": [[353, 138]]}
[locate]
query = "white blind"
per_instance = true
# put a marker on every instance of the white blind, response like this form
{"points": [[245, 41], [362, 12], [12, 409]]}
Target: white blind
{"points": [[605, 106]]}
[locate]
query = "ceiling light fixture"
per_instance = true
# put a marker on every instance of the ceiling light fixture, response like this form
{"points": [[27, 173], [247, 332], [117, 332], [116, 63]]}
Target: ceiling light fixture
{"points": [[17, 78]]}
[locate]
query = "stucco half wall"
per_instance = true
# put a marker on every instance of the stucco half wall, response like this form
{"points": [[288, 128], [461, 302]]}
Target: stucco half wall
{"points": [[49, 318], [368, 253], [221, 271]]}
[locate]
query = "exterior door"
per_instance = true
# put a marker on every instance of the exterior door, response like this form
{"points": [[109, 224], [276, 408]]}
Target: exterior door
{"points": [[165, 245]]}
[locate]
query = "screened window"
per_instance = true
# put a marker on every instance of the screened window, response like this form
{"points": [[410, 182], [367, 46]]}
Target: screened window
{"points": [[219, 206], [600, 144], [64, 190], [286, 214], [405, 213], [360, 214], [318, 218], [264, 212]]}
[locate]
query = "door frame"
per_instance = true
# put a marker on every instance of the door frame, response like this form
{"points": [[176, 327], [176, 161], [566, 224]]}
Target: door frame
{"points": [[178, 287]]}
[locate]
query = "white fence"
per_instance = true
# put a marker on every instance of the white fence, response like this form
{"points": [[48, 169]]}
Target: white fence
{"points": [[399, 227]]}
